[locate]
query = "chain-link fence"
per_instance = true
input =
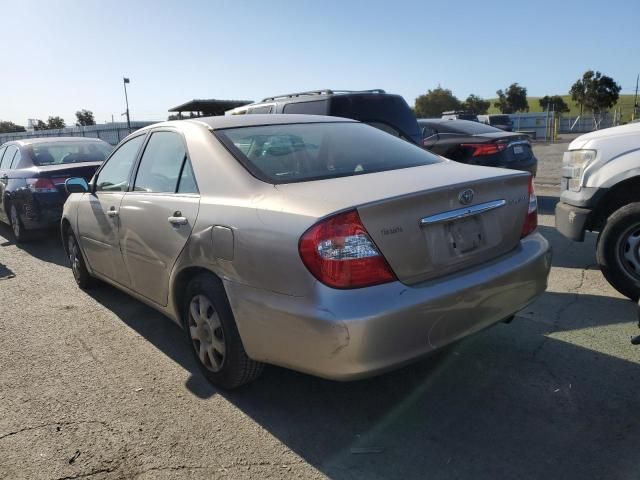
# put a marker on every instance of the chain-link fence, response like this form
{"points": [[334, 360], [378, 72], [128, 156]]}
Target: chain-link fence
{"points": [[109, 132]]}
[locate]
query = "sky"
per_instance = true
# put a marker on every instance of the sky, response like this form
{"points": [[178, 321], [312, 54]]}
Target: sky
{"points": [[61, 56]]}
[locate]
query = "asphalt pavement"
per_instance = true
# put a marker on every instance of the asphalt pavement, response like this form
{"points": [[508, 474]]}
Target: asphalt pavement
{"points": [[97, 385]]}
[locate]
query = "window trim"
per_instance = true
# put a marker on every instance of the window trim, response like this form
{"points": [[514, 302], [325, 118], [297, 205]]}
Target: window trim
{"points": [[187, 158], [96, 176]]}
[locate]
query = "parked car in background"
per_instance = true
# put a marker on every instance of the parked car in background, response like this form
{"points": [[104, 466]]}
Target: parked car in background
{"points": [[316, 243], [503, 122], [601, 193], [477, 144], [377, 108], [32, 176], [460, 115]]}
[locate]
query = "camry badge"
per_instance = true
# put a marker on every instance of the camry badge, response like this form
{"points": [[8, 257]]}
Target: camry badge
{"points": [[466, 196]]}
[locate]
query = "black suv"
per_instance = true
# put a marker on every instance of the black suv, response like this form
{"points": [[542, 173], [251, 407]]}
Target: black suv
{"points": [[375, 107]]}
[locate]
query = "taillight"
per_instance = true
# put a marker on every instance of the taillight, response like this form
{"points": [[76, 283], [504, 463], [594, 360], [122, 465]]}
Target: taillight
{"points": [[41, 185], [480, 149], [531, 220], [339, 252]]}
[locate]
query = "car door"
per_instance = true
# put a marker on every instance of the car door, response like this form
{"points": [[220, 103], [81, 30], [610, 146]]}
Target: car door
{"points": [[158, 213], [6, 158], [98, 222]]}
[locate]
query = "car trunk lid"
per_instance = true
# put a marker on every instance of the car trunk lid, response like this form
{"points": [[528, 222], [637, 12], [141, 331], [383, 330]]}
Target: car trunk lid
{"points": [[418, 217], [58, 174]]}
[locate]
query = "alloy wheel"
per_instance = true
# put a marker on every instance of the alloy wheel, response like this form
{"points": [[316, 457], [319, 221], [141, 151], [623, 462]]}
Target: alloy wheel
{"points": [[207, 335]]}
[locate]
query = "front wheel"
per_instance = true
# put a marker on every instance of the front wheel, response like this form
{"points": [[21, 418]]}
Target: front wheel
{"points": [[80, 273], [618, 250], [213, 335]]}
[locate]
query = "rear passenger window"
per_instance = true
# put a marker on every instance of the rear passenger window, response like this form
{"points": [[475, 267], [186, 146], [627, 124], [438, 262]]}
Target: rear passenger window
{"points": [[187, 179], [16, 160], [161, 163], [257, 110], [7, 158], [319, 107]]}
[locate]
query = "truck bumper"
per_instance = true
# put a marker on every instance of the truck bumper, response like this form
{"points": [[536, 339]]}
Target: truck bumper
{"points": [[571, 220]]}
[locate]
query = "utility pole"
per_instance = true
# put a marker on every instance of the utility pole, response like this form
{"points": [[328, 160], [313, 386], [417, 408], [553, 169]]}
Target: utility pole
{"points": [[635, 100], [125, 80]]}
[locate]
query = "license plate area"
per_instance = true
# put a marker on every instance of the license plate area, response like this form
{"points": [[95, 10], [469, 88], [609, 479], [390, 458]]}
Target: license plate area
{"points": [[518, 149], [465, 236]]}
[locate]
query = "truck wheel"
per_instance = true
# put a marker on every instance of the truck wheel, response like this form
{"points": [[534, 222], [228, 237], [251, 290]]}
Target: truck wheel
{"points": [[618, 250]]}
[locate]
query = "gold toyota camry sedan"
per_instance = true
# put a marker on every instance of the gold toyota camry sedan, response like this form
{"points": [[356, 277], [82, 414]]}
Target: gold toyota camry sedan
{"points": [[316, 243]]}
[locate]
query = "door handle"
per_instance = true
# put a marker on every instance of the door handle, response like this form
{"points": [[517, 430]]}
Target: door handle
{"points": [[177, 221], [112, 212]]}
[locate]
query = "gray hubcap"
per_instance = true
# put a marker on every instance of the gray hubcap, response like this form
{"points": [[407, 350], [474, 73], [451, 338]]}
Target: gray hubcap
{"points": [[206, 333], [15, 222], [629, 251], [74, 256]]}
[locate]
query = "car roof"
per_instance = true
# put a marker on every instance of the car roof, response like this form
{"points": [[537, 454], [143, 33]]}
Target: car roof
{"points": [[231, 121], [33, 141], [438, 121]]}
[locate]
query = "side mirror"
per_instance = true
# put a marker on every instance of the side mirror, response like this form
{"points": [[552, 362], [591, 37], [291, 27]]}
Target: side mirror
{"points": [[76, 185]]}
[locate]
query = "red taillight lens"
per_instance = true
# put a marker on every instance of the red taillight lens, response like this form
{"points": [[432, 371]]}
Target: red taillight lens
{"points": [[339, 252], [480, 149], [41, 185], [531, 220]]}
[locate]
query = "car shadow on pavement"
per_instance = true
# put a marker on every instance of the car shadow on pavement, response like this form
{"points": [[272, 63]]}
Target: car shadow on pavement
{"points": [[524, 400], [44, 245], [547, 204], [570, 254]]}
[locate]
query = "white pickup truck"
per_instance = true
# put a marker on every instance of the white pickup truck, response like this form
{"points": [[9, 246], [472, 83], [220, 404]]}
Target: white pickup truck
{"points": [[601, 193]]}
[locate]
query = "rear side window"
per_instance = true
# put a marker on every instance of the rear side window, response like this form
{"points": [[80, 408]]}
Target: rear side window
{"points": [[7, 158], [161, 163], [257, 110], [499, 120], [114, 176], [313, 151], [319, 107], [16, 160]]}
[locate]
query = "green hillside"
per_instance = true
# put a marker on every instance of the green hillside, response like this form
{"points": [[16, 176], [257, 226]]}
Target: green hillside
{"points": [[625, 102]]}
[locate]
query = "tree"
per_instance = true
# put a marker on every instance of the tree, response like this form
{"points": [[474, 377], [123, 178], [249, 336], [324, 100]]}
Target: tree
{"points": [[10, 127], [554, 103], [55, 122], [595, 92], [436, 101], [85, 117], [39, 125], [476, 104], [513, 100]]}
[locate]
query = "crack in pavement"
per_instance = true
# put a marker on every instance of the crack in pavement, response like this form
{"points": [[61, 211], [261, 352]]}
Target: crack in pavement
{"points": [[90, 474], [56, 424]]}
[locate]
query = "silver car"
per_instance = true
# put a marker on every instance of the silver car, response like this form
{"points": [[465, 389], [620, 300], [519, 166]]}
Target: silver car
{"points": [[315, 243]]}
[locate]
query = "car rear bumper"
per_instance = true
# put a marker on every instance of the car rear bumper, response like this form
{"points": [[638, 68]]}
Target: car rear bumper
{"points": [[348, 334], [40, 210]]}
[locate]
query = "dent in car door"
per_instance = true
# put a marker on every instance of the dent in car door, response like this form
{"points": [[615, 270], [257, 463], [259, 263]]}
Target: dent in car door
{"points": [[157, 217], [153, 231]]}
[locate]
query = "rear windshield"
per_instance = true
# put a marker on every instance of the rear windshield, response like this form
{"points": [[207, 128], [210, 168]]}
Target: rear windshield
{"points": [[499, 120], [373, 108], [465, 126], [56, 153], [313, 151]]}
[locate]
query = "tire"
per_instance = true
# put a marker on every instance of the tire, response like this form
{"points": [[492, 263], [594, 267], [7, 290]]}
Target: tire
{"points": [[212, 333], [81, 275], [17, 227], [618, 250]]}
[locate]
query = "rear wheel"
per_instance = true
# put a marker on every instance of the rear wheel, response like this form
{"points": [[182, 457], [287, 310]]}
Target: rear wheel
{"points": [[80, 273], [618, 250], [17, 227], [213, 335]]}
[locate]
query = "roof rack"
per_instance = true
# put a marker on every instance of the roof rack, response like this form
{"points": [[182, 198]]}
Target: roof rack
{"points": [[320, 92]]}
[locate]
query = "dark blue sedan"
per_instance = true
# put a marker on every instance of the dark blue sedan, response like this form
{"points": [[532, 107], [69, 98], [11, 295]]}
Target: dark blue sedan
{"points": [[32, 176]]}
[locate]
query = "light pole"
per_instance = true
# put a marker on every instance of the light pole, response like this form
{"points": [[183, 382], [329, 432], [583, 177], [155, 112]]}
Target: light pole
{"points": [[125, 80]]}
